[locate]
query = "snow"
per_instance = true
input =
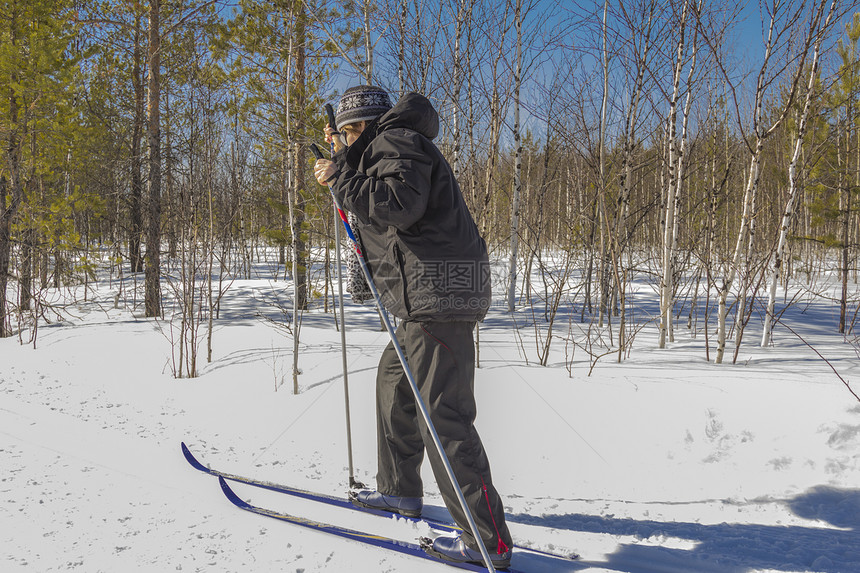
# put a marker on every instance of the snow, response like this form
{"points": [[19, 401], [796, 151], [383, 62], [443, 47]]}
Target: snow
{"points": [[660, 463]]}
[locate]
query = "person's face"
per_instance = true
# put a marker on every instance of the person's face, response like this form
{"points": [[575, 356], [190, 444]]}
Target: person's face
{"points": [[352, 131]]}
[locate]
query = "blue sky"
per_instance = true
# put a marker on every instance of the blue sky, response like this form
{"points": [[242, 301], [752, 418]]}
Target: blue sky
{"points": [[746, 51]]}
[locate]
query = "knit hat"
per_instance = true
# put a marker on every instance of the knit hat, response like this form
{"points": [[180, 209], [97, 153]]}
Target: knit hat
{"points": [[361, 103]]}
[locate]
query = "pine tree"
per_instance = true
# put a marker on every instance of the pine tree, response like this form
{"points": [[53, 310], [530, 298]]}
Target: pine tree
{"points": [[39, 79], [837, 177]]}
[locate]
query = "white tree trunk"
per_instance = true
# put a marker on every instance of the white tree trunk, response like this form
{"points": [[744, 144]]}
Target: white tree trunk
{"points": [[788, 212], [674, 164], [368, 44], [630, 132], [761, 134], [518, 161], [462, 15], [749, 197], [401, 58], [752, 184], [601, 144]]}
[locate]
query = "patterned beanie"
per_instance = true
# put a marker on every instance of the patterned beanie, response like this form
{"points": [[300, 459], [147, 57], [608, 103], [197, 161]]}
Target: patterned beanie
{"points": [[361, 103]]}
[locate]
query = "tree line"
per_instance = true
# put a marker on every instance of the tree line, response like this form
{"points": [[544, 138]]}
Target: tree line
{"points": [[709, 149]]}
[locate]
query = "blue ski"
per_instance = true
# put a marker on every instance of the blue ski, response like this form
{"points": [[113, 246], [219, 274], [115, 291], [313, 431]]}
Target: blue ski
{"points": [[341, 502], [405, 547], [320, 497]]}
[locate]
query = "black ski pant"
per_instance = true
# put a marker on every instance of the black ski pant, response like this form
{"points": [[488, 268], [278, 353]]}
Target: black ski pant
{"points": [[441, 356]]}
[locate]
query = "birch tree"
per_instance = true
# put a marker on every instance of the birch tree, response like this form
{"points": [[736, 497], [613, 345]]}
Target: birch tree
{"points": [[494, 84], [350, 32], [601, 169], [676, 163], [782, 24], [401, 52], [462, 21], [518, 165], [819, 30], [641, 43]]}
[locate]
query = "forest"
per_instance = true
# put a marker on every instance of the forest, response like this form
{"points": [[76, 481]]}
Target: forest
{"points": [[708, 150]]}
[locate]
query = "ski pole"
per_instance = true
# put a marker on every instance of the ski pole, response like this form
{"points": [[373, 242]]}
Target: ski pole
{"points": [[419, 401], [353, 483]]}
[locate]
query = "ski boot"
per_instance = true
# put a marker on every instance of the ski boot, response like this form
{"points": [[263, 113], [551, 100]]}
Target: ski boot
{"points": [[454, 549], [407, 506]]}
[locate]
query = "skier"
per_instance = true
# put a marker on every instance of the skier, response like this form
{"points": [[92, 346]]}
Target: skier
{"points": [[430, 265]]}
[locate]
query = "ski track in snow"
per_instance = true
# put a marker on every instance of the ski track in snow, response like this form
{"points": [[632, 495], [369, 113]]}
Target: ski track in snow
{"points": [[663, 463]]}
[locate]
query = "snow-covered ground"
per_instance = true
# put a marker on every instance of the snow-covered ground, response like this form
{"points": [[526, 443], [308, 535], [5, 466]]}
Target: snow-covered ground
{"points": [[662, 463]]}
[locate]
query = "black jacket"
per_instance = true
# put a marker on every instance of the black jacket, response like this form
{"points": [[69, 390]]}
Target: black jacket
{"points": [[422, 247]]}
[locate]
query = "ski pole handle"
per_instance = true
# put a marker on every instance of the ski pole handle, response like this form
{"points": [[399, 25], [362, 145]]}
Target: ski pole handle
{"points": [[330, 113], [318, 154]]}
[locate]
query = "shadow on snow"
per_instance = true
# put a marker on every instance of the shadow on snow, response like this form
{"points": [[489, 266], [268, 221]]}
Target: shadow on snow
{"points": [[732, 548]]}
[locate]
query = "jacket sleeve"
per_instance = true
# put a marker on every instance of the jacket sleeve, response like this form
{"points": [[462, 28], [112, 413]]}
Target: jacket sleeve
{"points": [[395, 187]]}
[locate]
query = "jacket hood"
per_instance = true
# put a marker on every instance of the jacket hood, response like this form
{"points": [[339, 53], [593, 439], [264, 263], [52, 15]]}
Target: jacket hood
{"points": [[415, 112]]}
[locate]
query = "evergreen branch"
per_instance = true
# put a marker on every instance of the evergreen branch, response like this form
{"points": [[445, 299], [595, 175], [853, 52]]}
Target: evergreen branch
{"points": [[117, 23], [332, 39], [191, 15]]}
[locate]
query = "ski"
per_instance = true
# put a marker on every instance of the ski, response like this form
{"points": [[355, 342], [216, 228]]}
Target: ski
{"points": [[343, 503], [296, 492], [389, 543]]}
